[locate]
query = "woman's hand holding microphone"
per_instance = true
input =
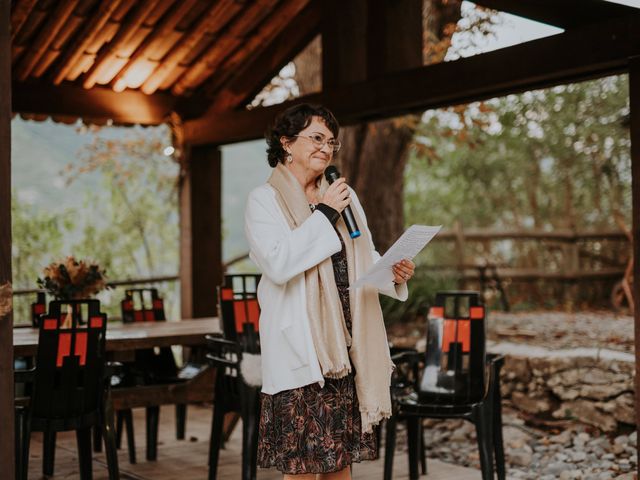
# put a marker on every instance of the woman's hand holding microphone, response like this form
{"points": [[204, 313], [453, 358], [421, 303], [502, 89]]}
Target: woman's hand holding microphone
{"points": [[337, 195]]}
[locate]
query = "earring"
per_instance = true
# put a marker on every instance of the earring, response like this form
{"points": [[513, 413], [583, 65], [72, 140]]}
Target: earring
{"points": [[289, 158]]}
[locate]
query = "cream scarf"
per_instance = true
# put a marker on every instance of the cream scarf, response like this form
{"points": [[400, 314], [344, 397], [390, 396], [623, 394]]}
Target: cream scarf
{"points": [[369, 348]]}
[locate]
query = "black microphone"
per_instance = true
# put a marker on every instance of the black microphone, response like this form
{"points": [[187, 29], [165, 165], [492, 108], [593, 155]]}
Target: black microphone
{"points": [[332, 174]]}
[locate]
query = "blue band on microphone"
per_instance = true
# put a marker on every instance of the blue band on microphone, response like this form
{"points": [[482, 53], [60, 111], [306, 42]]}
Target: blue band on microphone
{"points": [[355, 234]]}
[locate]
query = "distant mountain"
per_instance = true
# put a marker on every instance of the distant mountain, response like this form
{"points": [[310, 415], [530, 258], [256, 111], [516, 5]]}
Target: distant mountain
{"points": [[41, 150]]}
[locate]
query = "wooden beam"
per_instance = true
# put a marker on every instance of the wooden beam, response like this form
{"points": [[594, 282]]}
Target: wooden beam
{"points": [[563, 13], [394, 37], [201, 232], [7, 457], [580, 54], [100, 104], [634, 97], [344, 42]]}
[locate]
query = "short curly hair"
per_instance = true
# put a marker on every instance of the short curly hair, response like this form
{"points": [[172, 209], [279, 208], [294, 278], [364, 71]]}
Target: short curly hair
{"points": [[290, 123]]}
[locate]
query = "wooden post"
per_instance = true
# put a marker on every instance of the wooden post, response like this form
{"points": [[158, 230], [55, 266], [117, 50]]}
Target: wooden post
{"points": [[201, 232], [634, 94], [6, 312]]}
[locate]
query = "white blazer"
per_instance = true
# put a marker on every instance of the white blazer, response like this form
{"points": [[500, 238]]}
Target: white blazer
{"points": [[283, 255]]}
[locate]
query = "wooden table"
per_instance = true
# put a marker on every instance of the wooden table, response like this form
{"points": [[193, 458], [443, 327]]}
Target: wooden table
{"points": [[132, 336]]}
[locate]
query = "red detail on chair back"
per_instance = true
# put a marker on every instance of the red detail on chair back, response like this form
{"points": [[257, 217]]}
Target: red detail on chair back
{"points": [[95, 322], [149, 316], [158, 304], [457, 331], [138, 316], [476, 313], [127, 305], [436, 312], [81, 347], [226, 293], [64, 347], [50, 324], [246, 311], [39, 308]]}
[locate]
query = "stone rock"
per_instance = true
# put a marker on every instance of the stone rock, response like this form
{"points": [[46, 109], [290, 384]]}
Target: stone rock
{"points": [[520, 457], [586, 412], [563, 438], [517, 368], [531, 404], [515, 438], [625, 409]]}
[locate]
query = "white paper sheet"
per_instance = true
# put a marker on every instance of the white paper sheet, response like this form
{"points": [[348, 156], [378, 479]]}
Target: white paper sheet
{"points": [[410, 243]]}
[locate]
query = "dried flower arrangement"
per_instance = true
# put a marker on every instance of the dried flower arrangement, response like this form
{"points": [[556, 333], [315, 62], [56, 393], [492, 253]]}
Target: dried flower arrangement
{"points": [[71, 279]]}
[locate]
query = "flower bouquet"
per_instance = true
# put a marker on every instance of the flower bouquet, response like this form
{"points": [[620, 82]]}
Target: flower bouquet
{"points": [[72, 279]]}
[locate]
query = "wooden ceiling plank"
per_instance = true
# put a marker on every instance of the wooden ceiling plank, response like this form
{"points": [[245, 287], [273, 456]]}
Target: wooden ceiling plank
{"points": [[230, 39], [563, 14], [56, 21], [214, 21], [575, 55], [98, 103], [55, 49], [91, 30], [159, 35], [237, 67], [31, 25], [125, 33], [19, 15]]}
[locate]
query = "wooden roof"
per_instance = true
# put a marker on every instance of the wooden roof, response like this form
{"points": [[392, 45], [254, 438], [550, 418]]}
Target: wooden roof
{"points": [[141, 61], [179, 54]]}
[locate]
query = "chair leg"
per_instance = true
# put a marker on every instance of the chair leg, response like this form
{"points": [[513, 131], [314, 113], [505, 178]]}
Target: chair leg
{"points": [[250, 415], [119, 423], [109, 435], [217, 422], [484, 432], [48, 452], [389, 447], [22, 442], [497, 439], [97, 439], [413, 441], [83, 438], [153, 418], [181, 420], [423, 450], [127, 417]]}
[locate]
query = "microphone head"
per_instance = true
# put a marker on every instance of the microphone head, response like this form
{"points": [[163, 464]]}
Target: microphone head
{"points": [[331, 174]]}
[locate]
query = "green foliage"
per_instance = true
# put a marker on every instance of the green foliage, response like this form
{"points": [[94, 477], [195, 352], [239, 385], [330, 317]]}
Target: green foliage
{"points": [[549, 159], [37, 237]]}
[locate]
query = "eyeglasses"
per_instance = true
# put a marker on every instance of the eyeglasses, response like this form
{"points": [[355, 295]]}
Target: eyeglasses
{"points": [[319, 141]]}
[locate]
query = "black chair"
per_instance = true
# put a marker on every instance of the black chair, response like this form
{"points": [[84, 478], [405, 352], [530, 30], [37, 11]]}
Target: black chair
{"points": [[232, 394], [151, 367], [70, 388], [38, 308], [454, 378], [239, 310]]}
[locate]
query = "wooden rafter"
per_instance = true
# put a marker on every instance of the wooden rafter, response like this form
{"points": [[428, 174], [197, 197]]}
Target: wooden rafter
{"points": [[561, 13], [258, 43], [579, 54], [225, 45], [20, 14], [251, 76], [100, 104], [151, 43], [91, 30], [123, 37], [44, 38], [210, 24]]}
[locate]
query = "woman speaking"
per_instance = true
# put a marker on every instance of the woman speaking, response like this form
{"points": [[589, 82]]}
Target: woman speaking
{"points": [[325, 359]]}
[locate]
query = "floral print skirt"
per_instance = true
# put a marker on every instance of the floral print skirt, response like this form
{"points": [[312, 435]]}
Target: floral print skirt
{"points": [[314, 430]]}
